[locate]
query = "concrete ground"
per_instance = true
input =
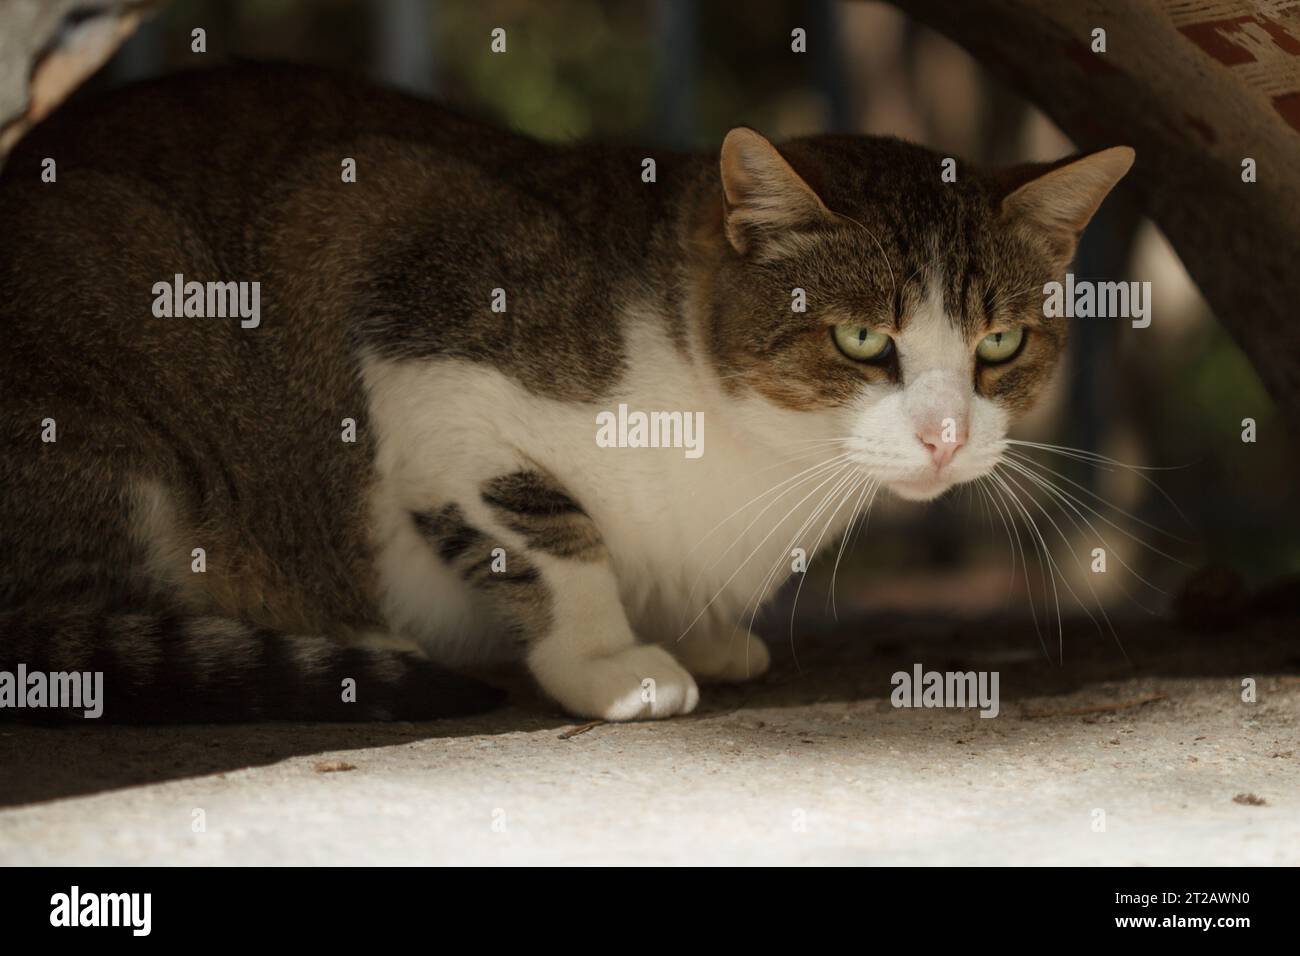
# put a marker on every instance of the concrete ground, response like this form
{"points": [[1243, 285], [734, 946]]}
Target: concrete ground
{"points": [[1150, 760]]}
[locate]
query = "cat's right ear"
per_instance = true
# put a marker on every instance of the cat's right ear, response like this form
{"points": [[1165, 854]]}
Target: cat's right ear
{"points": [[1057, 205], [763, 194]]}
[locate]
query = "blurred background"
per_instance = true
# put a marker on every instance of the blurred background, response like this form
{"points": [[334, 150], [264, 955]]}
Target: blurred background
{"points": [[1167, 400]]}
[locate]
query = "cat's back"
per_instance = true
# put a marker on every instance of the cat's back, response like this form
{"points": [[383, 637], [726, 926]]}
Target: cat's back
{"points": [[221, 142], [251, 111]]}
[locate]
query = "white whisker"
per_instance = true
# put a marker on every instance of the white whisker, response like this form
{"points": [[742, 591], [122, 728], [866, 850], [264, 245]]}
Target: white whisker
{"points": [[1064, 538], [758, 546]]}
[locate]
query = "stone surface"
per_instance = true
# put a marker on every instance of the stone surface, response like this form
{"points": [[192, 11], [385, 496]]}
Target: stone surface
{"points": [[811, 765]]}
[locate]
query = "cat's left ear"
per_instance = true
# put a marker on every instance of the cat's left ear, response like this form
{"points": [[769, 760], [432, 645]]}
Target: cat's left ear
{"points": [[764, 195], [1059, 204]]}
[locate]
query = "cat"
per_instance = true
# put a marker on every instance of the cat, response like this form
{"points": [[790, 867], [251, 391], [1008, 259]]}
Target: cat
{"points": [[181, 506]]}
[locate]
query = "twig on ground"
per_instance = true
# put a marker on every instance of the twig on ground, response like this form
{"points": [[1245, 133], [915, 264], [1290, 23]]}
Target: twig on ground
{"points": [[580, 729], [334, 766], [1097, 709]]}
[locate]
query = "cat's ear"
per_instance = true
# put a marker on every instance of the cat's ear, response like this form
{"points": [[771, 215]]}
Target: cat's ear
{"points": [[1058, 204], [764, 195]]}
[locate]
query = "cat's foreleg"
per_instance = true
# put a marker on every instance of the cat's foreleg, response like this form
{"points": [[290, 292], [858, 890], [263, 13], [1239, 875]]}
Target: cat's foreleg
{"points": [[717, 652], [529, 546]]}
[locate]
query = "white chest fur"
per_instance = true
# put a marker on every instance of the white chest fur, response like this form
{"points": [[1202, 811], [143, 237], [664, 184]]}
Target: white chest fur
{"points": [[694, 541]]}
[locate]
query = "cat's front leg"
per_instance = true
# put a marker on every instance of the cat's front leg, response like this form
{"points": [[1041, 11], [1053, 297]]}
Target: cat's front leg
{"points": [[529, 546], [713, 652]]}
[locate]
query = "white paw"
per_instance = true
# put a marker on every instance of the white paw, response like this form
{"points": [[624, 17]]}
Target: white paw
{"points": [[636, 683], [730, 658]]}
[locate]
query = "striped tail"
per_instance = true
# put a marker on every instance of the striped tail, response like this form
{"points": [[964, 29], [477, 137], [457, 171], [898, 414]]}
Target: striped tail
{"points": [[187, 669]]}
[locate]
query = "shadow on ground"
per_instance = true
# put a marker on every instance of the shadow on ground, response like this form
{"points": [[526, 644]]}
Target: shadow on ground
{"points": [[847, 660]]}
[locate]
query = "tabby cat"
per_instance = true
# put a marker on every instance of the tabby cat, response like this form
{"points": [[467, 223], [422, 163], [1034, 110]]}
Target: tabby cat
{"points": [[393, 473]]}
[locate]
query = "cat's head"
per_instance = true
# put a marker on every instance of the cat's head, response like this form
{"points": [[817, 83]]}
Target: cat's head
{"points": [[922, 335]]}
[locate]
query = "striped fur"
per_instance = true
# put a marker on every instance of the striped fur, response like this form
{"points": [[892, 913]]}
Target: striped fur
{"points": [[534, 505], [509, 580], [176, 668]]}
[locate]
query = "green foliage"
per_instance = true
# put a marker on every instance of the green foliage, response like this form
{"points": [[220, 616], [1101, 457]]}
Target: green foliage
{"points": [[580, 70]]}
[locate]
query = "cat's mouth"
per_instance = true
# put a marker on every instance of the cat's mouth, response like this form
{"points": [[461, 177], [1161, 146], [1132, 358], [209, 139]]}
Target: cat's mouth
{"points": [[921, 489], [929, 483]]}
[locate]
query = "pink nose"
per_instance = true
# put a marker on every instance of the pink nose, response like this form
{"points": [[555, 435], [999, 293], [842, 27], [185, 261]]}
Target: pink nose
{"points": [[941, 451]]}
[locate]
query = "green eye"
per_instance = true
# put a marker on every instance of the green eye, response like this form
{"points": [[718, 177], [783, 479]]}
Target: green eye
{"points": [[862, 343], [1000, 346]]}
